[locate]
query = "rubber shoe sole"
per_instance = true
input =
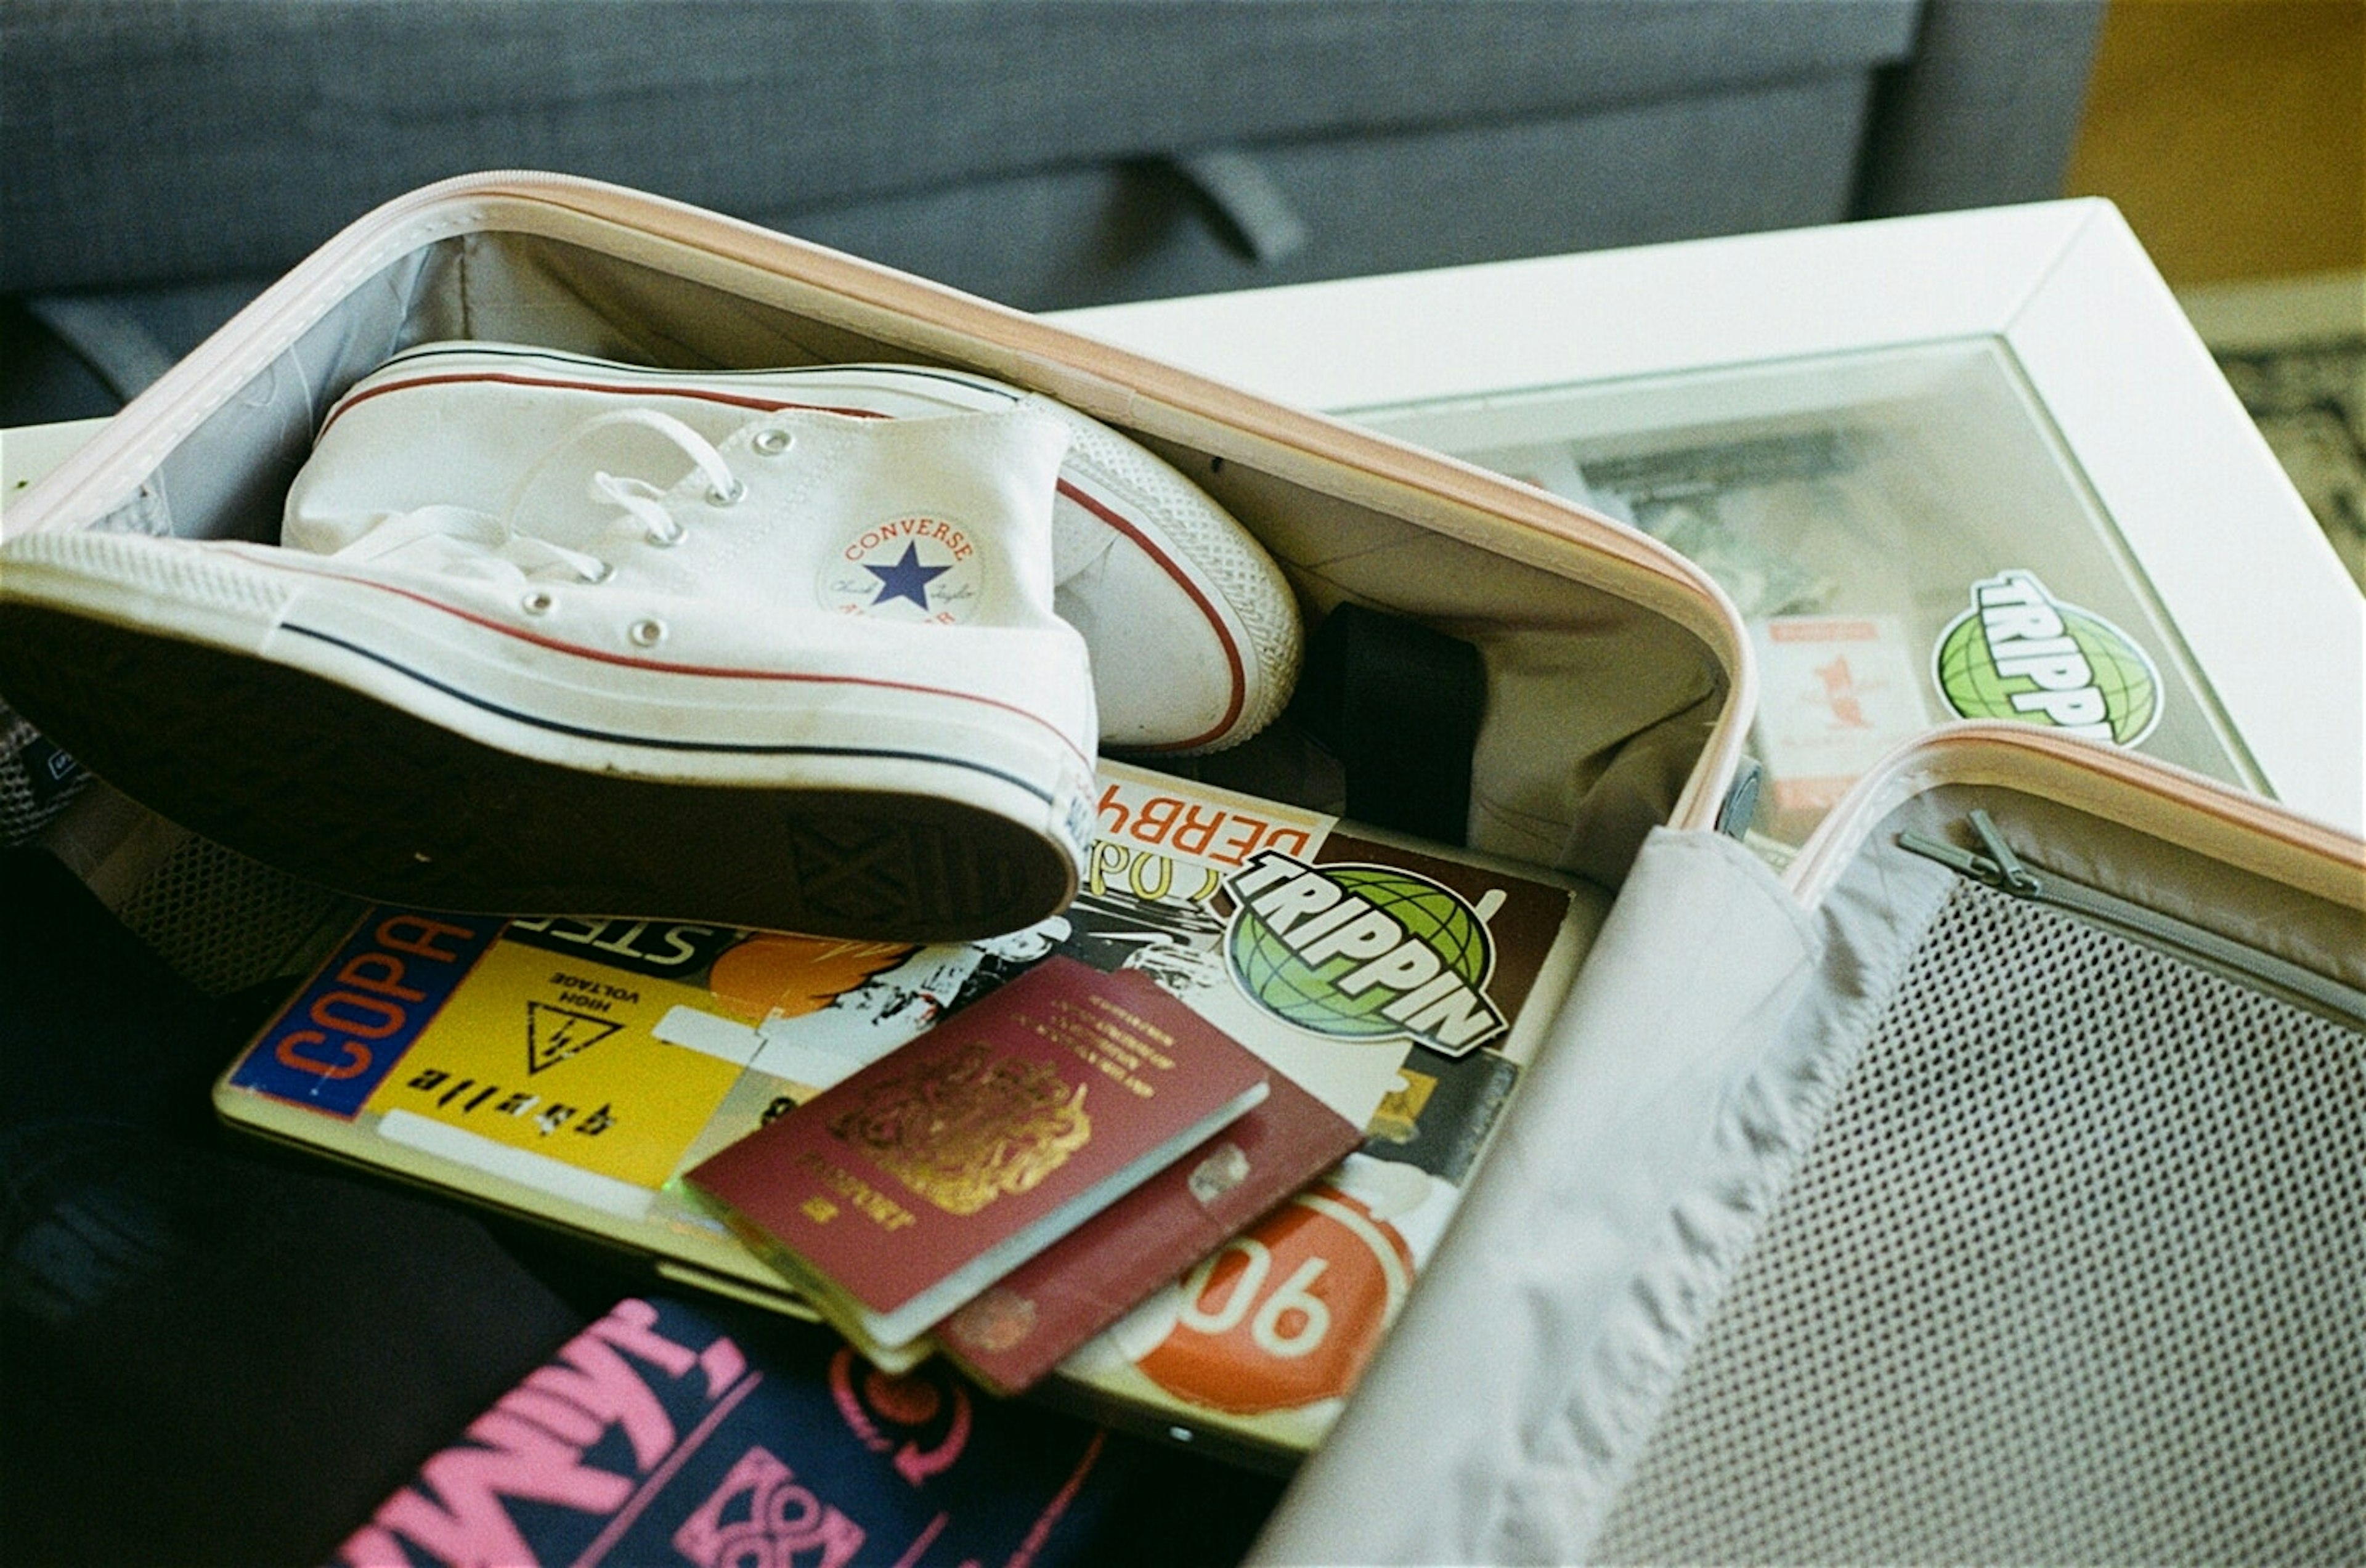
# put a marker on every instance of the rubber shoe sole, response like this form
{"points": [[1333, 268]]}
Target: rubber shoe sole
{"points": [[280, 737]]}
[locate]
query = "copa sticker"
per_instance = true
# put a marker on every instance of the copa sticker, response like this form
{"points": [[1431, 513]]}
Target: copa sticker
{"points": [[2021, 653], [1362, 953], [919, 568], [334, 1044]]}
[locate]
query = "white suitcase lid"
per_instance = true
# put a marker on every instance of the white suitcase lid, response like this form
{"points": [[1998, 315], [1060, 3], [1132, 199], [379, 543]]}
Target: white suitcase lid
{"points": [[1673, 1187]]}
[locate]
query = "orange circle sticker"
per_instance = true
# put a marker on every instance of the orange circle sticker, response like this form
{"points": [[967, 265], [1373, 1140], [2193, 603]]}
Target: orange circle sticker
{"points": [[1288, 1313], [774, 976]]}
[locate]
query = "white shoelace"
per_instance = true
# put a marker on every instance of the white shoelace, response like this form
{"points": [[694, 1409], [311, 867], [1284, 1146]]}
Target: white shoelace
{"points": [[503, 544]]}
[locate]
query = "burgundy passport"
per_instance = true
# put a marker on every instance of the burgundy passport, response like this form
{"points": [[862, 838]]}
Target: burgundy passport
{"points": [[895, 1196], [1027, 1322]]}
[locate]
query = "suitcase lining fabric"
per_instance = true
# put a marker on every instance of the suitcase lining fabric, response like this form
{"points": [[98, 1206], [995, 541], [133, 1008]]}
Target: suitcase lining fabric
{"points": [[2070, 1272]]}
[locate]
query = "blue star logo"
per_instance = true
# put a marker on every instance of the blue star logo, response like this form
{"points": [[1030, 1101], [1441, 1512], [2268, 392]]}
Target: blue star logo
{"points": [[907, 578]]}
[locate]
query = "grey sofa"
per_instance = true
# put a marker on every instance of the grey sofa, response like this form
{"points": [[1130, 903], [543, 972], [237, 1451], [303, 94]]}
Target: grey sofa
{"points": [[165, 158]]}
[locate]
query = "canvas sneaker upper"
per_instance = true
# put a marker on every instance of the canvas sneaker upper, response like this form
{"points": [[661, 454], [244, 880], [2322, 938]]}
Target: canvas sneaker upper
{"points": [[1194, 635], [801, 543]]}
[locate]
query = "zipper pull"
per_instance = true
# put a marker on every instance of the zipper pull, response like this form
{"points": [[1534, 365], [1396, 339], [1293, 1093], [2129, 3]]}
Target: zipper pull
{"points": [[2000, 868], [1948, 855], [2016, 877]]}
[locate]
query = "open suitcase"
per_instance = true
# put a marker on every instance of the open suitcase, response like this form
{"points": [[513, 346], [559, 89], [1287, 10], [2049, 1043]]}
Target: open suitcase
{"points": [[1985, 1187]]}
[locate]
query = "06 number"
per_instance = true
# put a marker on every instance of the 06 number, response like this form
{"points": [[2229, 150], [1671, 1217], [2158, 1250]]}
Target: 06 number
{"points": [[1271, 1330]]}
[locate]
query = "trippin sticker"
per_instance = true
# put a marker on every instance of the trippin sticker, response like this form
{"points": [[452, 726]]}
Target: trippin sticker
{"points": [[1362, 953], [919, 569], [2021, 653]]}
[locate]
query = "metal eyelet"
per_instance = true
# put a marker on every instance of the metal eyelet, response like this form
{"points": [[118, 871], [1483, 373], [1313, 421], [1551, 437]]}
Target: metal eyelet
{"points": [[732, 496], [771, 440], [646, 633], [674, 535], [607, 569], [538, 602]]}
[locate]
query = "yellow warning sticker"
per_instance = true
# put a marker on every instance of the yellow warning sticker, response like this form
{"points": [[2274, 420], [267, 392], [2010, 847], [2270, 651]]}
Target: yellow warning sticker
{"points": [[540, 1052]]}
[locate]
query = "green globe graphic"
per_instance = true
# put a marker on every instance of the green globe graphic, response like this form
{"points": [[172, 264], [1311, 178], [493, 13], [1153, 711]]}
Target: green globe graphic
{"points": [[1309, 997], [1969, 679]]}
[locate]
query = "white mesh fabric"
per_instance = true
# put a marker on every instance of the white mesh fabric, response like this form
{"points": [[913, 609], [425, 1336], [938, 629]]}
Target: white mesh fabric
{"points": [[2075, 1272], [37, 781], [224, 922]]}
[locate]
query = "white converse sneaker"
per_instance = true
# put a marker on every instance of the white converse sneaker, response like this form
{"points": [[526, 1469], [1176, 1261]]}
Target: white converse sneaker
{"points": [[806, 676], [1194, 635]]}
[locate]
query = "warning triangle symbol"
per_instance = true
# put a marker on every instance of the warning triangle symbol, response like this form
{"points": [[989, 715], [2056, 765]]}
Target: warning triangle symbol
{"points": [[555, 1034]]}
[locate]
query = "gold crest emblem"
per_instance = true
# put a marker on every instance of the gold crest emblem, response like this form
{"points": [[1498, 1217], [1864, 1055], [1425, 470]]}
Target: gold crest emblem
{"points": [[964, 1129]]}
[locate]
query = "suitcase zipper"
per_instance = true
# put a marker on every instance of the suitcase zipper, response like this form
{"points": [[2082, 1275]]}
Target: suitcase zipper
{"points": [[2001, 869]]}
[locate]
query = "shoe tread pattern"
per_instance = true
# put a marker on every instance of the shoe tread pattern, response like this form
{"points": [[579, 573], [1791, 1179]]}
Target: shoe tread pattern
{"points": [[337, 787]]}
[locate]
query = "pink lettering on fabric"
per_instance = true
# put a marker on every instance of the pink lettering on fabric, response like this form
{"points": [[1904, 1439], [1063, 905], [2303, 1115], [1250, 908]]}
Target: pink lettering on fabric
{"points": [[759, 1514]]}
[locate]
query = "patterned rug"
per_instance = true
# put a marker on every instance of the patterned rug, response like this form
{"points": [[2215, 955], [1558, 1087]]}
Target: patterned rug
{"points": [[2310, 402]]}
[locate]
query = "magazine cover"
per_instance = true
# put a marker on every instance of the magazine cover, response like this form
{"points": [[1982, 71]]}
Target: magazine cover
{"points": [[572, 1069], [1391, 980]]}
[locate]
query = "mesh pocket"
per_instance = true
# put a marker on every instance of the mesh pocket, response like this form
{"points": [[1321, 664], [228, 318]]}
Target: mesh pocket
{"points": [[37, 781], [224, 922], [2075, 1270]]}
